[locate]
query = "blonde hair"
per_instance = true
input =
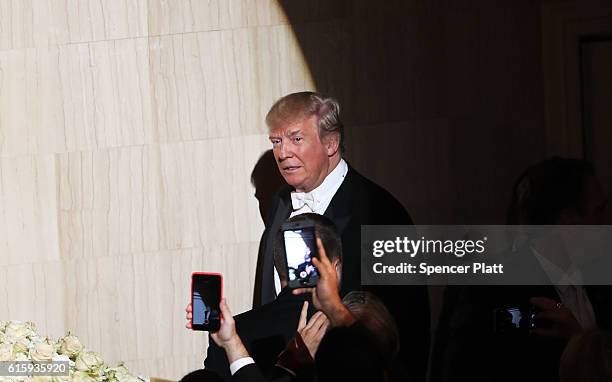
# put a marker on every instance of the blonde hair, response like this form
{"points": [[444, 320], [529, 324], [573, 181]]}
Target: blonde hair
{"points": [[304, 105]]}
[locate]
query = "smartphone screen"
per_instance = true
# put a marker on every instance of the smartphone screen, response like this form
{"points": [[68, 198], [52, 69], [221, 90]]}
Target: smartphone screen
{"points": [[300, 248], [205, 300], [514, 318]]}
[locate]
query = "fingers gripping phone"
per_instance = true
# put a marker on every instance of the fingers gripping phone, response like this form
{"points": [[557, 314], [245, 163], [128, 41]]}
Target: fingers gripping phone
{"points": [[206, 290], [300, 247]]}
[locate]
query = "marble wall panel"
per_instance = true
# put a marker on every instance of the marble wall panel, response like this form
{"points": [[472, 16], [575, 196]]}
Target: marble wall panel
{"points": [[32, 119], [94, 20], [106, 94], [28, 210], [75, 97], [222, 83], [35, 292], [30, 23], [183, 16], [158, 197], [39, 23]]}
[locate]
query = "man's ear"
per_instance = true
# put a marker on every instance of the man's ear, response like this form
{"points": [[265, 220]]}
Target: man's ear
{"points": [[338, 268], [332, 143]]}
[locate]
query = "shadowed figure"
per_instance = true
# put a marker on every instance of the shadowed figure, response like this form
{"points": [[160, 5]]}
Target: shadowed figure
{"points": [[267, 180], [555, 191]]}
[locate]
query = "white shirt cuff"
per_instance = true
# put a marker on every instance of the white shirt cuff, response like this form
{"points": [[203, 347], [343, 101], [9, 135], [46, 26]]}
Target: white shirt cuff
{"points": [[240, 363]]}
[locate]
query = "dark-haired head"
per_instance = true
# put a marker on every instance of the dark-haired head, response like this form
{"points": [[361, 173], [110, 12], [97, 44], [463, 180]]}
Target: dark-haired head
{"points": [[557, 191]]}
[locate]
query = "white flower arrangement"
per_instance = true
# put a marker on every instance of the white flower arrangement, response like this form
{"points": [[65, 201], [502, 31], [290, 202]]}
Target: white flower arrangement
{"points": [[20, 341]]}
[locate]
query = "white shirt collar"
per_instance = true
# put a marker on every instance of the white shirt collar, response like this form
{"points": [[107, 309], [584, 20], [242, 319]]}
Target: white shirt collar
{"points": [[324, 193], [332, 182], [557, 276]]}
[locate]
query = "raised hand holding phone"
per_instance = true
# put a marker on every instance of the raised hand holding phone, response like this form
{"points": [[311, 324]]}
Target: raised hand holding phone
{"points": [[227, 337], [564, 324], [325, 295]]}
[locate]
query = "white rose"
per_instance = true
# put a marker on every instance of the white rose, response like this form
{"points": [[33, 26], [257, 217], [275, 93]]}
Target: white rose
{"points": [[16, 330], [6, 352], [42, 352], [70, 346], [120, 369], [81, 376], [61, 378], [22, 345], [60, 358], [88, 361]]}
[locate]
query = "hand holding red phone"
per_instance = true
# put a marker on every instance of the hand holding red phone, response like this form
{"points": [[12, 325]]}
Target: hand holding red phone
{"points": [[188, 315], [227, 337], [204, 311]]}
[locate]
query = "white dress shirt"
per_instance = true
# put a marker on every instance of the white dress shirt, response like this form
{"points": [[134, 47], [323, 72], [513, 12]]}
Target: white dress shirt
{"points": [[569, 287], [240, 363], [316, 200]]}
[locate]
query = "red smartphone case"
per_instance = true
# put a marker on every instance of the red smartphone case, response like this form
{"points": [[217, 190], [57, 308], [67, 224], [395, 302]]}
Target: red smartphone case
{"points": [[207, 274]]}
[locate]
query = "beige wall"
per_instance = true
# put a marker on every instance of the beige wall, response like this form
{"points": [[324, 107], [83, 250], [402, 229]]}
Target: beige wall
{"points": [[128, 132]]}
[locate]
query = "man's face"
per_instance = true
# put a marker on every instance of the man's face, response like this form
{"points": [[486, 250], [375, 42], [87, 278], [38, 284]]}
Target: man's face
{"points": [[594, 202], [593, 208], [301, 156]]}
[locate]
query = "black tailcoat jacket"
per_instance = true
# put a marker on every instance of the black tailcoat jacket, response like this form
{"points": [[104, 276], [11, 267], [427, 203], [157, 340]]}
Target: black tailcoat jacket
{"points": [[358, 201]]}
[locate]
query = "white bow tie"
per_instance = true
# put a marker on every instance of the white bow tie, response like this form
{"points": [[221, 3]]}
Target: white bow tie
{"points": [[301, 199]]}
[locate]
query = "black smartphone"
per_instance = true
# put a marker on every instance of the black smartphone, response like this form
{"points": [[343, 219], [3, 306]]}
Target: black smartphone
{"points": [[514, 319], [300, 249], [206, 290]]}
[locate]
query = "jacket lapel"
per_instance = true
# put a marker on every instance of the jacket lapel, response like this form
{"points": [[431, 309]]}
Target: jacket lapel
{"points": [[268, 292], [339, 210]]}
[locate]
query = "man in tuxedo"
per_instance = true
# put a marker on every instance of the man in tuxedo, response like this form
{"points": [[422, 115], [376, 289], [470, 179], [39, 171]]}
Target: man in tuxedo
{"points": [[307, 139], [557, 191], [265, 331]]}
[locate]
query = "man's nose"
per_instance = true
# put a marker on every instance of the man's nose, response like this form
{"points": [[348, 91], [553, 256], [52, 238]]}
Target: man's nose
{"points": [[284, 151]]}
